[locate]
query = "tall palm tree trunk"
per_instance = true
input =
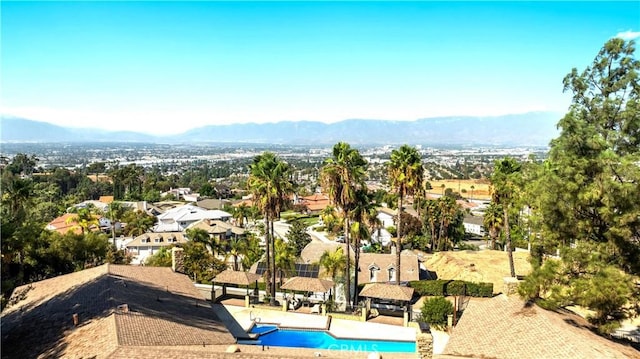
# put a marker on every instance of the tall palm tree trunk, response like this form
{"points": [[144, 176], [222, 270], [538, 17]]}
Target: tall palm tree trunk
{"points": [[507, 233], [355, 276], [273, 264], [399, 237], [347, 240], [267, 234]]}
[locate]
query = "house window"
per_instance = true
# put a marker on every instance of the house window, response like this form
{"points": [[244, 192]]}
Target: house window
{"points": [[158, 240], [392, 274], [373, 277], [373, 273]]}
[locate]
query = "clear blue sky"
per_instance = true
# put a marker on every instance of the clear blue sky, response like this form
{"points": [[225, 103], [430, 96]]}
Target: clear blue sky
{"points": [[165, 67]]}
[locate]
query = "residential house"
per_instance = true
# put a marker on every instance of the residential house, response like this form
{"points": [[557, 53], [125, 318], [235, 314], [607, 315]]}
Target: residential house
{"points": [[473, 225], [179, 218], [148, 244], [99, 205], [176, 192], [541, 333], [218, 229], [211, 203], [113, 311], [381, 267], [315, 203], [386, 217], [67, 222], [312, 252]]}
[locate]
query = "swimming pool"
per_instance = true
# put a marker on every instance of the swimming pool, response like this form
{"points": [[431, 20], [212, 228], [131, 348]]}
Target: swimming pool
{"points": [[321, 339]]}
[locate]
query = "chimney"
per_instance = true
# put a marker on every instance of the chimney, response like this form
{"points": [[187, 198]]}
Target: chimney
{"points": [[177, 260], [124, 308]]}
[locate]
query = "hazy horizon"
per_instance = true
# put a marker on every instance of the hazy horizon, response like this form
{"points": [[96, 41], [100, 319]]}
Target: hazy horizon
{"points": [[153, 66]]}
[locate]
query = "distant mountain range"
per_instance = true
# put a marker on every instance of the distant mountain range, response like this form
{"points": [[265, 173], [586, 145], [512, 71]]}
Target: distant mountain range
{"points": [[534, 128]]}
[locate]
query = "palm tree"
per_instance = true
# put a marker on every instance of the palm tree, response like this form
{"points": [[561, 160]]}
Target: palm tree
{"points": [[406, 175], [505, 179], [492, 221], [333, 264], [285, 258], [432, 217], [253, 251], [199, 235], [236, 247], [84, 219], [472, 188], [447, 208], [270, 186], [240, 213], [116, 211], [341, 176], [363, 215]]}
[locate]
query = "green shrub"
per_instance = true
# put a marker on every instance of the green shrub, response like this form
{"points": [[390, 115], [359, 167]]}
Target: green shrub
{"points": [[442, 287], [435, 312], [456, 287], [428, 287]]}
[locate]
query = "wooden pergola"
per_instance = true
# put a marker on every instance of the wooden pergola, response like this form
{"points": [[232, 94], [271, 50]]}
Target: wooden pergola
{"points": [[231, 276]]}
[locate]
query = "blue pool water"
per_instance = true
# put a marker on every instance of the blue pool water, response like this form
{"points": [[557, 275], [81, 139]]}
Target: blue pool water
{"points": [[320, 339]]}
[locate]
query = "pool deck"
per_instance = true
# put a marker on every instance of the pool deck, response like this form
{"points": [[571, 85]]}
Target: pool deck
{"points": [[341, 328]]}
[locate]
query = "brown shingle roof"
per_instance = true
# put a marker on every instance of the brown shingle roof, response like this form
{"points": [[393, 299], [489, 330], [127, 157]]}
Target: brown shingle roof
{"points": [[387, 291], [230, 276], [408, 265], [164, 308], [503, 327]]}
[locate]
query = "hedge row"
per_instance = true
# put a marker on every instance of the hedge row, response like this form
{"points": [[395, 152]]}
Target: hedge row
{"points": [[452, 287]]}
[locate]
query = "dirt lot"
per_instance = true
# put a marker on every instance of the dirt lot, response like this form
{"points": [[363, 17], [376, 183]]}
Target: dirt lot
{"points": [[481, 188], [478, 266]]}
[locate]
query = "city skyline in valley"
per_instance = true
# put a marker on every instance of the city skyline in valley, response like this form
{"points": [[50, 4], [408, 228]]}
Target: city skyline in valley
{"points": [[166, 67]]}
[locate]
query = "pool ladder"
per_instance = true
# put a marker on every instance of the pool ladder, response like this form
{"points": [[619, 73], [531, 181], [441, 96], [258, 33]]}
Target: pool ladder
{"points": [[253, 318]]}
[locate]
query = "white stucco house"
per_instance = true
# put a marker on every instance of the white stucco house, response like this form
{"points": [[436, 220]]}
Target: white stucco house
{"points": [[473, 225], [179, 218]]}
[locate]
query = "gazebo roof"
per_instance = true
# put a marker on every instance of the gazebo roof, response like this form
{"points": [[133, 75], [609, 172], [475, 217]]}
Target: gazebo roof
{"points": [[387, 291], [230, 276], [305, 284]]}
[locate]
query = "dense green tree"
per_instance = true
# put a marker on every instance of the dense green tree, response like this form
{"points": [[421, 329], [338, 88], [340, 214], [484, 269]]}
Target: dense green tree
{"points": [[585, 195], [436, 311], [406, 176], [199, 263], [253, 252], [22, 164], [137, 222], [161, 258], [298, 237], [593, 171], [341, 176]]}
